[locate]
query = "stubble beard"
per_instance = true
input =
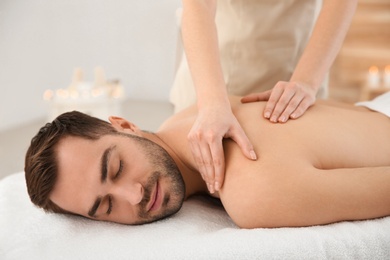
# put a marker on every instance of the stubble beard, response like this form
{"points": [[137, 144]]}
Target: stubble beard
{"points": [[166, 171]]}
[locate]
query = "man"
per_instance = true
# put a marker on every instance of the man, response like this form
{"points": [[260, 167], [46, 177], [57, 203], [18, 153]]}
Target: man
{"points": [[333, 164]]}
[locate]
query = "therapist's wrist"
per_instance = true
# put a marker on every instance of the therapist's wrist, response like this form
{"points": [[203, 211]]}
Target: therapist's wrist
{"points": [[312, 85], [214, 104], [213, 98]]}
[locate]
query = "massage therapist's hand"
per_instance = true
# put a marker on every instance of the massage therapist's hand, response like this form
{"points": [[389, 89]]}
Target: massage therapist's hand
{"points": [[286, 100], [211, 126]]}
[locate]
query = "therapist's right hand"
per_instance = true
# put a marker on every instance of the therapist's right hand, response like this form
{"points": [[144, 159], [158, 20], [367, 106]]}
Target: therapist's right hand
{"points": [[211, 126]]}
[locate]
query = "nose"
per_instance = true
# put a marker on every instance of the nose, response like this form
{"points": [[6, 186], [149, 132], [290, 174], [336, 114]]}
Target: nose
{"points": [[133, 193]]}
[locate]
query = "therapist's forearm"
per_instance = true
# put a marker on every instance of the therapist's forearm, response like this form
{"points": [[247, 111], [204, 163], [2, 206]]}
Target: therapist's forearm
{"points": [[200, 42], [326, 40]]}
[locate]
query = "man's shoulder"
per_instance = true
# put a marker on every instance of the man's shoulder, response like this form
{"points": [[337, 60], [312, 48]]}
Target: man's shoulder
{"points": [[188, 114], [180, 117]]}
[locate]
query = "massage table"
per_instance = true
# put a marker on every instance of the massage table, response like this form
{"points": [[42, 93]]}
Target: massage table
{"points": [[200, 230]]}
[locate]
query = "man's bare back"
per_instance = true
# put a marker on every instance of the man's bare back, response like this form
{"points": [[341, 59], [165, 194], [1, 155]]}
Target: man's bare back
{"points": [[309, 170]]}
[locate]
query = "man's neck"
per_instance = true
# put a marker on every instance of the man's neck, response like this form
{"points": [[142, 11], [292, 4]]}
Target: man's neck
{"points": [[192, 178]]}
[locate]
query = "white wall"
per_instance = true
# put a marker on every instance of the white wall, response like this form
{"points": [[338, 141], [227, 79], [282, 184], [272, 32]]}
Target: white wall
{"points": [[42, 41]]}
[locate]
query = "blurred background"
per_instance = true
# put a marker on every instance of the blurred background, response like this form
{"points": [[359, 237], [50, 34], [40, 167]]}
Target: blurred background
{"points": [[135, 43], [42, 41], [367, 45]]}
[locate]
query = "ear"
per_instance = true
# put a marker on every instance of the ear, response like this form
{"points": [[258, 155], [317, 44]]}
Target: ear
{"points": [[122, 125]]}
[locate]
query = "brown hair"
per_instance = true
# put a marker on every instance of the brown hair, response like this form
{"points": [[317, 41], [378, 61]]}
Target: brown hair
{"points": [[41, 163]]}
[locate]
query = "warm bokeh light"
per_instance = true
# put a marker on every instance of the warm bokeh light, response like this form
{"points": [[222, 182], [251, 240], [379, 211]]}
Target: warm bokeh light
{"points": [[48, 95], [373, 70]]}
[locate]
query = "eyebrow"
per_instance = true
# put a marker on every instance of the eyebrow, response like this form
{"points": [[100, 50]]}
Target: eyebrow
{"points": [[92, 211], [104, 163], [103, 177]]}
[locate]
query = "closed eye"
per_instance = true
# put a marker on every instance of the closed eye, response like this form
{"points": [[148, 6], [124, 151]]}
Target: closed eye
{"points": [[109, 209], [119, 170]]}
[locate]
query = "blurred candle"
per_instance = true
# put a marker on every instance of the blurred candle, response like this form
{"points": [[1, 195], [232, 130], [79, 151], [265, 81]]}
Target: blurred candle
{"points": [[386, 76], [48, 95], [373, 78], [62, 93]]}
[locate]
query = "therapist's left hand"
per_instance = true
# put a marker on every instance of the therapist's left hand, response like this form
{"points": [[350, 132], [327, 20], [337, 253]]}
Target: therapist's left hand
{"points": [[286, 100]]}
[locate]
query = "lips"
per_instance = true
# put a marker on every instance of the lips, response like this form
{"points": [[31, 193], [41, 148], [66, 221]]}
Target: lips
{"points": [[156, 199]]}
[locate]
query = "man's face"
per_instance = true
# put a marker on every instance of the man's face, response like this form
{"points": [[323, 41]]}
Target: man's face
{"points": [[117, 178]]}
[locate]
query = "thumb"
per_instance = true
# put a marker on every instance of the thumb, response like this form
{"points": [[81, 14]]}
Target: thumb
{"points": [[245, 145], [254, 97]]}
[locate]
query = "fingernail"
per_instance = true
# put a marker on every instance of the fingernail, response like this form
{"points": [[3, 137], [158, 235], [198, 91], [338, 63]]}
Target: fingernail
{"points": [[253, 155], [216, 187], [267, 114], [211, 188], [274, 119], [282, 119], [293, 116]]}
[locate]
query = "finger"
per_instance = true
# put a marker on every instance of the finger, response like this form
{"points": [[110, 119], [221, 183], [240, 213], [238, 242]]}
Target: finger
{"points": [[200, 145], [254, 97], [207, 161], [239, 136], [218, 157], [277, 92], [197, 155], [194, 138], [279, 103], [291, 107], [301, 109]]}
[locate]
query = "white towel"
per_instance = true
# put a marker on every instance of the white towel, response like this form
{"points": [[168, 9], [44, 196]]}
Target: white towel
{"points": [[200, 230], [380, 104]]}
